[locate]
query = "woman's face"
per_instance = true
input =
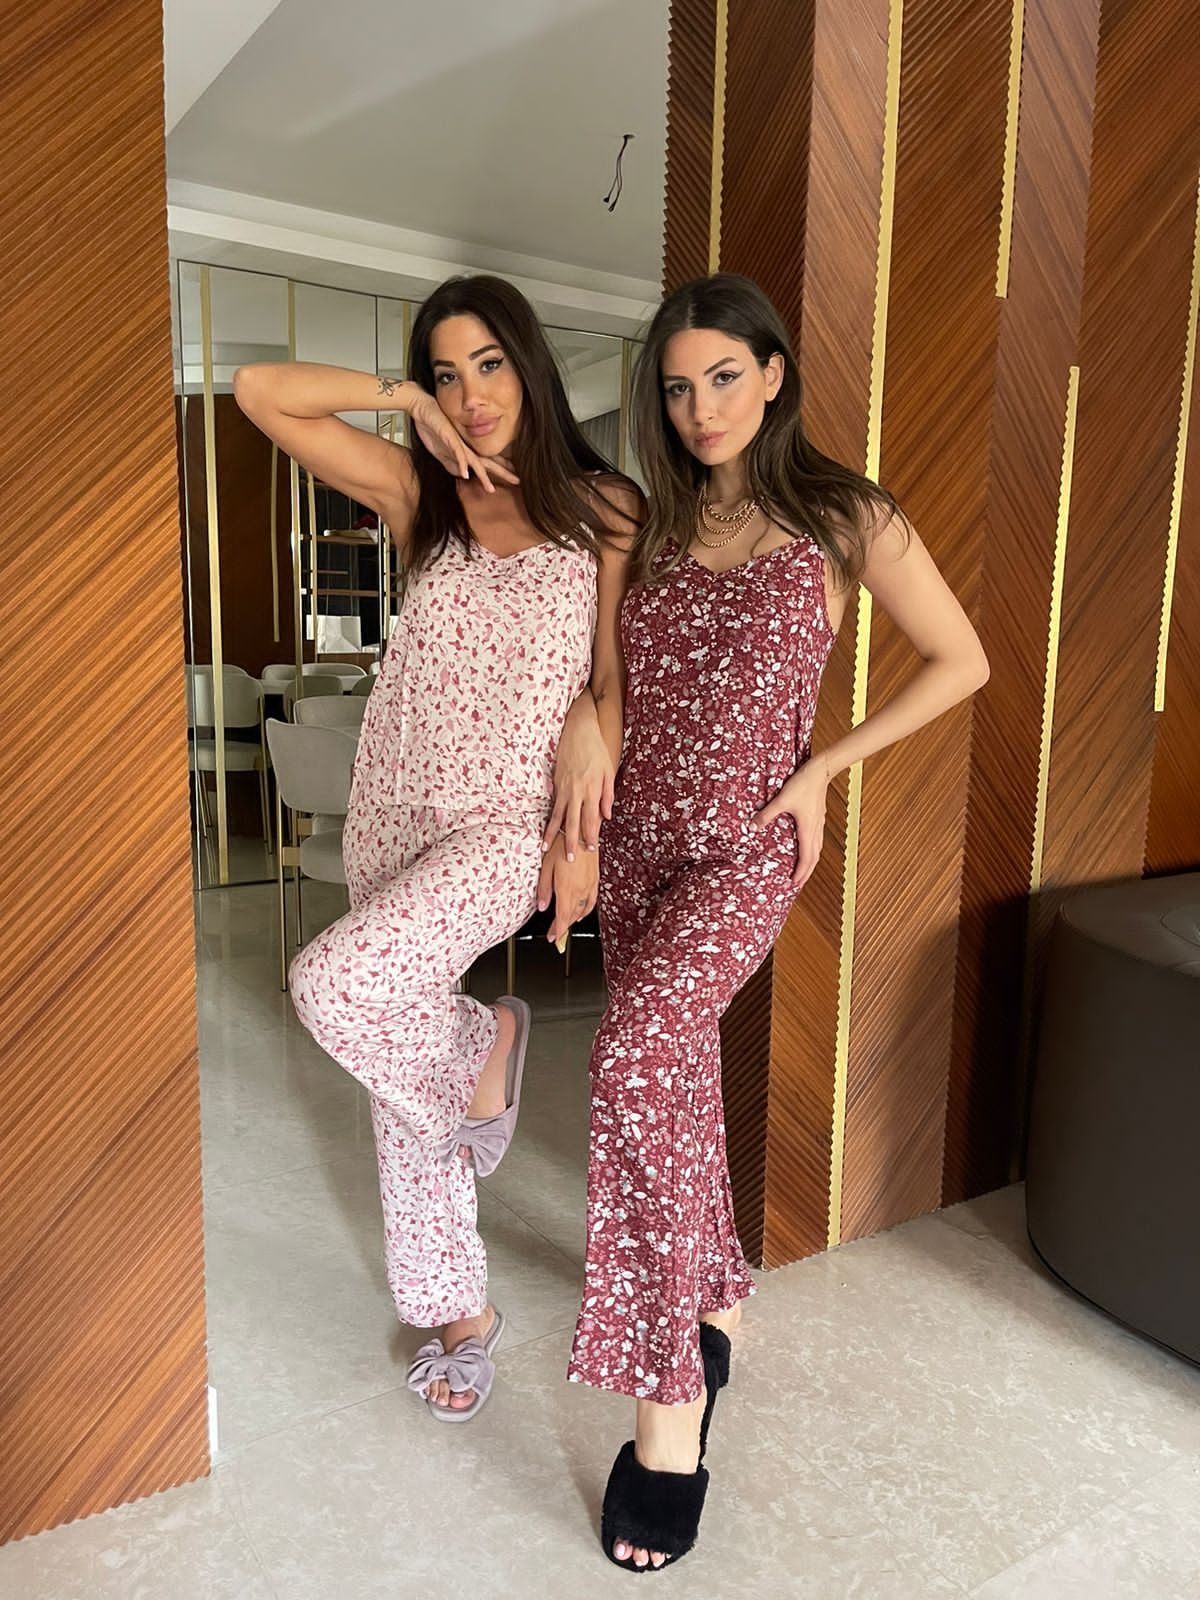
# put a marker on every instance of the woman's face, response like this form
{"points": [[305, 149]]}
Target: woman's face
{"points": [[476, 384], [716, 392]]}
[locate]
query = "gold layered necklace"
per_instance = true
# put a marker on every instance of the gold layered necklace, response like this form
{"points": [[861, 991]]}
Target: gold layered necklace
{"points": [[726, 525]]}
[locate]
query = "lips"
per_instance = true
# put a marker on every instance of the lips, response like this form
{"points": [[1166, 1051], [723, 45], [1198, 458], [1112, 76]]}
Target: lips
{"points": [[707, 440], [479, 430]]}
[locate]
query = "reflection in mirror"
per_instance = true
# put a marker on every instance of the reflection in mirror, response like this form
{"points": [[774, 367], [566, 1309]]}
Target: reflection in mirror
{"points": [[237, 567]]}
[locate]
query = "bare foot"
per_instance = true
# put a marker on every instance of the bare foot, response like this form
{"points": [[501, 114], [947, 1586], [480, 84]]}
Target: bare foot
{"points": [[452, 1335], [489, 1099], [667, 1439]]}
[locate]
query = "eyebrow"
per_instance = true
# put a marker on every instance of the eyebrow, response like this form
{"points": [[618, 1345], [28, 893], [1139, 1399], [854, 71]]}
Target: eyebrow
{"points": [[474, 356], [670, 377]]}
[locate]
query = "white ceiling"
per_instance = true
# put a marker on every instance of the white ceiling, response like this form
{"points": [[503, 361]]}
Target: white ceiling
{"points": [[491, 125]]}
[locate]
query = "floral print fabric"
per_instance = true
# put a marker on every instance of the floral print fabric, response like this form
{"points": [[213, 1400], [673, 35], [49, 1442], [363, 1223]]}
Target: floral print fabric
{"points": [[724, 672]]}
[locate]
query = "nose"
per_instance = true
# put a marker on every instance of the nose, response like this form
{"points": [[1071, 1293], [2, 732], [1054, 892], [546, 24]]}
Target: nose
{"points": [[472, 398]]}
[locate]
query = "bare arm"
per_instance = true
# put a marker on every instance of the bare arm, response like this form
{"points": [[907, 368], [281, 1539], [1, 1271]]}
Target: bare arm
{"points": [[294, 403], [909, 587], [902, 577], [589, 750]]}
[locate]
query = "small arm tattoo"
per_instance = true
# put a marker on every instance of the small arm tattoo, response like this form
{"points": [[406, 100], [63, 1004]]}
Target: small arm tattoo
{"points": [[389, 386]]}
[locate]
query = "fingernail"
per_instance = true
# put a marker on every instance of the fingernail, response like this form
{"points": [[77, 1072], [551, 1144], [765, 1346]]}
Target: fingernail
{"points": [[570, 855], [541, 905]]}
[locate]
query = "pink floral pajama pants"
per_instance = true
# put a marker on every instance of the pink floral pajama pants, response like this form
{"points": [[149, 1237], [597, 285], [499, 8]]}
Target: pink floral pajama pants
{"points": [[685, 920], [430, 890]]}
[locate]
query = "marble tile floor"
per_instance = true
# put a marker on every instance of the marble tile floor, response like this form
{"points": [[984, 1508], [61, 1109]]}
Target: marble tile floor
{"points": [[920, 1414]]}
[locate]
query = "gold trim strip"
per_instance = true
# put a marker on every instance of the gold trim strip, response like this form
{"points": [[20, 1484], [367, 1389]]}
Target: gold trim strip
{"points": [[1181, 444], [1053, 631], [274, 542], [862, 644], [312, 558], [626, 374], [1011, 125], [296, 533], [720, 57], [1055, 625], [385, 559], [214, 575], [406, 322]]}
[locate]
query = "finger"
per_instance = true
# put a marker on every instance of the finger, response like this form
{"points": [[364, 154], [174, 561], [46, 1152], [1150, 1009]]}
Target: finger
{"points": [[589, 824], [460, 455], [571, 830], [765, 817], [606, 799], [482, 472], [554, 826], [545, 886]]}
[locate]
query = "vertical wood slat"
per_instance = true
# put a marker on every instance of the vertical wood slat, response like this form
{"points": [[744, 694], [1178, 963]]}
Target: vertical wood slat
{"points": [[1038, 343], [691, 56], [103, 1383], [936, 422], [1136, 286]]}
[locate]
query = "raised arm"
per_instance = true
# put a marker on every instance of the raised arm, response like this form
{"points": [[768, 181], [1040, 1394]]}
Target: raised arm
{"points": [[295, 403]]}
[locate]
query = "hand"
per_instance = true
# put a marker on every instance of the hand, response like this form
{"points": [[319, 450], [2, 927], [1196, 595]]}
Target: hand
{"points": [[572, 884], [803, 798], [444, 442], [583, 783]]}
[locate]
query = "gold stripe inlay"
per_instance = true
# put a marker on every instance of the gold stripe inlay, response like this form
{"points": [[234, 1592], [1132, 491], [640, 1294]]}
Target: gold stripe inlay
{"points": [[274, 541], [862, 645], [214, 575], [1011, 125], [1181, 443], [1050, 684], [720, 52], [294, 484]]}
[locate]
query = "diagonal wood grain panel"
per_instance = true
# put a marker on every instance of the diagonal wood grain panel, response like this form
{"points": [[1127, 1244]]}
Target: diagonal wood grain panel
{"points": [[936, 423], [768, 97], [1173, 834], [103, 1383], [691, 48], [1137, 272], [1038, 342], [844, 149]]}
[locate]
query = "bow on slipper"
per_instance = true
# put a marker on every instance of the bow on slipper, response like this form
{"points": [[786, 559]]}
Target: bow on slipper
{"points": [[488, 1138], [468, 1366]]}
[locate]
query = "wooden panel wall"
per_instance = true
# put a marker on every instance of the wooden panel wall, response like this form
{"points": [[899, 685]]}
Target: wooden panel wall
{"points": [[103, 1379], [974, 348]]}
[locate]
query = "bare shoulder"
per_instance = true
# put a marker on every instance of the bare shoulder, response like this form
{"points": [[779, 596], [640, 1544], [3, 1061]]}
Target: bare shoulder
{"points": [[620, 506]]}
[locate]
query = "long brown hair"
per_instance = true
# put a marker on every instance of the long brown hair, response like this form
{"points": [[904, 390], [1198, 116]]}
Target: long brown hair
{"points": [[551, 454], [798, 487]]}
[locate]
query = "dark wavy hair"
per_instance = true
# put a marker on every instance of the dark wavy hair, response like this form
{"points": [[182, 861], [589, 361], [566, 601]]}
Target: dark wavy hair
{"points": [[551, 454], [795, 484]]}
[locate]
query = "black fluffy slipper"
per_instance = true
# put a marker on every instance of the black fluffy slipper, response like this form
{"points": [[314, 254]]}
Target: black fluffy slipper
{"points": [[651, 1510]]}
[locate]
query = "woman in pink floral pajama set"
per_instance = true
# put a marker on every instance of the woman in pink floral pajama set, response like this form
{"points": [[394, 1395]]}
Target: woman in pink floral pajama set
{"points": [[507, 585], [740, 578]]}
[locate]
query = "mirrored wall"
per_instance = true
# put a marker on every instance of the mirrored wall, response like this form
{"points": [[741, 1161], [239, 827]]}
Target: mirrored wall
{"points": [[291, 587]]}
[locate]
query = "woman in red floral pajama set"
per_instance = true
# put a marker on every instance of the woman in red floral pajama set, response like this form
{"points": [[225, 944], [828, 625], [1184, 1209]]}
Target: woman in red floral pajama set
{"points": [[740, 578]]}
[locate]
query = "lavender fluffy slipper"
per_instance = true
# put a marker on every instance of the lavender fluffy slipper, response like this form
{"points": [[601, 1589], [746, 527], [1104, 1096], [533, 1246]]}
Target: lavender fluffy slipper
{"points": [[488, 1138]]}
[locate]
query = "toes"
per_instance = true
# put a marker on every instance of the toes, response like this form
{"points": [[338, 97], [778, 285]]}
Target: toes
{"points": [[621, 1550], [641, 1558], [460, 1402], [657, 1558]]}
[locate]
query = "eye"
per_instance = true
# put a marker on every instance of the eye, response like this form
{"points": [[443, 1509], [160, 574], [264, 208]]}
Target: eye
{"points": [[674, 390], [491, 364], [443, 378], [725, 373]]}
